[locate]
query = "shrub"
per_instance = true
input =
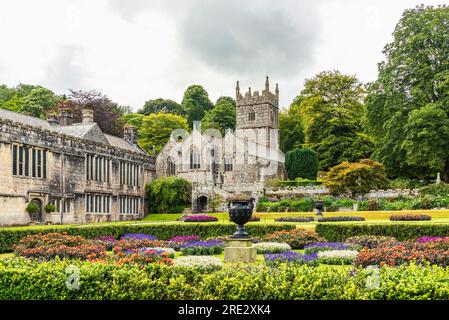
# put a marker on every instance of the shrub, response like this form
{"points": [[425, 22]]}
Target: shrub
{"points": [[32, 208], [359, 177], [340, 232], [261, 207], [301, 163], [294, 219], [369, 241], [201, 248], [340, 218], [49, 208], [337, 257], [423, 202], [11, 236], [291, 257], [406, 183], [200, 218], [303, 205], [324, 246], [271, 247], [441, 190], [168, 194], [344, 203], [394, 254], [373, 205], [296, 238], [410, 217], [201, 263]]}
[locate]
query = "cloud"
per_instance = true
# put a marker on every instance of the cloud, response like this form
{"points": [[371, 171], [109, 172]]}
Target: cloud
{"points": [[252, 36], [66, 69]]}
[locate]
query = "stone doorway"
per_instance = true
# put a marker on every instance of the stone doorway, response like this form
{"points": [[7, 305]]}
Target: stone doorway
{"points": [[201, 204], [37, 216]]}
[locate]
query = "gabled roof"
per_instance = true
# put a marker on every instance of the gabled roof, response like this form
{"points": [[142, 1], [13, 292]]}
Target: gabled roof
{"points": [[86, 131]]}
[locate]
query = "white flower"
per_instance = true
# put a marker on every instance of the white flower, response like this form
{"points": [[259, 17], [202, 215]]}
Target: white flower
{"points": [[199, 262], [170, 251], [271, 247], [337, 256]]}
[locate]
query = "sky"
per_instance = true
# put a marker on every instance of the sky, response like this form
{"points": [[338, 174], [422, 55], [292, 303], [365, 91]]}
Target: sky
{"points": [[136, 50]]}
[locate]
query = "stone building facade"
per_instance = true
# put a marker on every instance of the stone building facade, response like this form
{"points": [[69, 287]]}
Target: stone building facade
{"points": [[87, 175], [240, 162]]}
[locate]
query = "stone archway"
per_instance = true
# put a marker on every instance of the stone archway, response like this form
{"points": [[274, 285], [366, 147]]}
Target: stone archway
{"points": [[37, 216], [201, 203]]}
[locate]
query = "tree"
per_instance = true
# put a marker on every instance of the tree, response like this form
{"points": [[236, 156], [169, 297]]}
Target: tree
{"points": [[359, 177], [301, 163], [222, 116], [107, 113], [332, 110], [161, 105], [168, 194], [157, 128], [195, 103], [291, 128], [414, 75], [427, 140]]}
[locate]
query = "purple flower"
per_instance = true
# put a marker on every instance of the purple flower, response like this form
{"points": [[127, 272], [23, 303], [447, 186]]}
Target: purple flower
{"points": [[290, 256], [431, 239], [200, 218], [138, 236], [211, 243], [106, 238], [184, 238]]}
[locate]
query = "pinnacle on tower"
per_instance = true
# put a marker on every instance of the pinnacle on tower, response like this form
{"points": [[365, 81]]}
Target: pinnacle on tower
{"points": [[237, 88], [267, 84], [277, 89], [249, 91]]}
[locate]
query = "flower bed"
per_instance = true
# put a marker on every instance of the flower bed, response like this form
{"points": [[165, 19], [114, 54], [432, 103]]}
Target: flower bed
{"points": [[295, 219], [296, 238], [369, 241], [132, 244], [410, 217], [394, 254], [202, 248], [107, 241], [324, 246], [183, 239], [138, 236], [145, 256], [431, 239], [200, 218], [340, 218], [337, 257], [202, 263], [52, 245], [271, 247], [254, 219], [274, 259]]}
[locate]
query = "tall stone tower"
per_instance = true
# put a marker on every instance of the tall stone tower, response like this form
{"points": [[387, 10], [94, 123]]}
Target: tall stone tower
{"points": [[258, 116]]}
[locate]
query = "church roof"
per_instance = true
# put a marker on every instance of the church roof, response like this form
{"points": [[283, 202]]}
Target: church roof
{"points": [[87, 131]]}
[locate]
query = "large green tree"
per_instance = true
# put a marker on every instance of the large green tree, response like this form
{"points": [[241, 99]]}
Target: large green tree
{"points": [[414, 75], [222, 116], [291, 128], [196, 103], [161, 105], [332, 110], [156, 130]]}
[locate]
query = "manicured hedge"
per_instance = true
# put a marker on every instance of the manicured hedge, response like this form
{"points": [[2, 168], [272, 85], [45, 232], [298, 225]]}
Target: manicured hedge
{"points": [[340, 232], [47, 280], [10, 237]]}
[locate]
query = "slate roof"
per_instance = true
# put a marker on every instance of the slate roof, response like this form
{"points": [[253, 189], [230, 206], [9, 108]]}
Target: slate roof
{"points": [[89, 131]]}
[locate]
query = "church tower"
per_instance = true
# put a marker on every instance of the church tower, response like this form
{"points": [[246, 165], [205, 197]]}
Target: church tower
{"points": [[258, 116]]}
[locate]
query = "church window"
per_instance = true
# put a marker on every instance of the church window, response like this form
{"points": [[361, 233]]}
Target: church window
{"points": [[195, 158], [252, 115], [228, 162], [26, 165], [171, 167]]}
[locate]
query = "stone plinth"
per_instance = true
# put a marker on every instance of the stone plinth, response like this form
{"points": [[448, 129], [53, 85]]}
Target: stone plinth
{"points": [[240, 250]]}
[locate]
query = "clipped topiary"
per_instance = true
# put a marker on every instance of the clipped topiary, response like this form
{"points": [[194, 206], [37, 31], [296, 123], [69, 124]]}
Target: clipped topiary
{"points": [[301, 163]]}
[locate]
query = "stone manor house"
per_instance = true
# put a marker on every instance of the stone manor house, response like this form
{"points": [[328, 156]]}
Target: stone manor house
{"points": [[90, 176]]}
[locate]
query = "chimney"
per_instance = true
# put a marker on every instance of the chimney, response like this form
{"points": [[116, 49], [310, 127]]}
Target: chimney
{"points": [[87, 116], [130, 133], [52, 119], [65, 118]]}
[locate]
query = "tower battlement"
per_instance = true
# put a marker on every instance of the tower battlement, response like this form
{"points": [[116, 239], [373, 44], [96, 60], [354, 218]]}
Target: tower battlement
{"points": [[256, 97]]}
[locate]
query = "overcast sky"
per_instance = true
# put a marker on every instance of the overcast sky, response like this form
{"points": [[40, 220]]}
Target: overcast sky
{"points": [[136, 50]]}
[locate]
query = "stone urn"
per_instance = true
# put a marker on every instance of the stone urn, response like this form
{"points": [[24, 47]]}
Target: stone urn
{"points": [[319, 205], [240, 210]]}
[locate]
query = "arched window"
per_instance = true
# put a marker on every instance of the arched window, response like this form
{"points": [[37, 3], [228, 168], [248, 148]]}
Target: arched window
{"points": [[195, 158], [228, 162], [171, 167], [252, 115]]}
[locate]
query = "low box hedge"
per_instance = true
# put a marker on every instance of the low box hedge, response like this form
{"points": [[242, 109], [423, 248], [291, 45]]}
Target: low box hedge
{"points": [[10, 237], [401, 231], [25, 280]]}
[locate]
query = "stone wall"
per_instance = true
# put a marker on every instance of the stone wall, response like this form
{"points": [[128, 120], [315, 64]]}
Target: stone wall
{"points": [[65, 176]]}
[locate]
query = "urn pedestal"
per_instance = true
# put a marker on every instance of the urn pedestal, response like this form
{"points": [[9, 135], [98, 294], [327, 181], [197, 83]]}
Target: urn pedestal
{"points": [[240, 250], [240, 247]]}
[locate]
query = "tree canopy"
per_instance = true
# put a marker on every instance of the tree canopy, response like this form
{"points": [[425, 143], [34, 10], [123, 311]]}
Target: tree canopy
{"points": [[222, 116], [161, 105], [195, 103]]}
